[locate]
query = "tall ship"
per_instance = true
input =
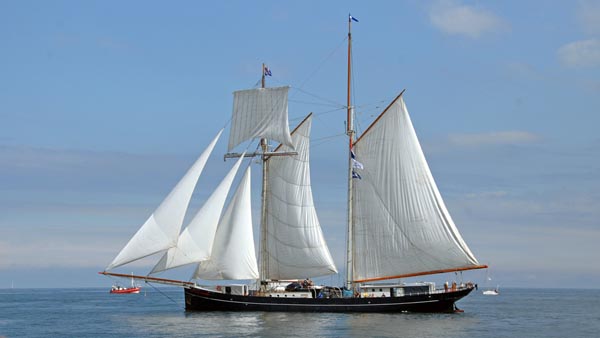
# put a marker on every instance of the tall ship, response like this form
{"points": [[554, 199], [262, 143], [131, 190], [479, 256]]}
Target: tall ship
{"points": [[397, 223]]}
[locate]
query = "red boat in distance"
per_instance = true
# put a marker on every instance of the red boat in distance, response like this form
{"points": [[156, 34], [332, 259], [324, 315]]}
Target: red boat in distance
{"points": [[120, 289], [116, 288]]}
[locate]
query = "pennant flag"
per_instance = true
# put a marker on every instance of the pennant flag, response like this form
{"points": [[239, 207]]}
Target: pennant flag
{"points": [[356, 175], [350, 17], [267, 71], [355, 163]]}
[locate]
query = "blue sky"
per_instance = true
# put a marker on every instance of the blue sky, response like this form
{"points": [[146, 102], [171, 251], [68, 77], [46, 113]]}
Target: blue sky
{"points": [[105, 104]]}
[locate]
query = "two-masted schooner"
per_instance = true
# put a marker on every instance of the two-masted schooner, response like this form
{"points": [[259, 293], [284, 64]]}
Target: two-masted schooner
{"points": [[398, 225]]}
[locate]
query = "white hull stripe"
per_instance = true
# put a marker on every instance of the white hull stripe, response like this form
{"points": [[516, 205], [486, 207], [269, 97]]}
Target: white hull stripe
{"points": [[331, 305]]}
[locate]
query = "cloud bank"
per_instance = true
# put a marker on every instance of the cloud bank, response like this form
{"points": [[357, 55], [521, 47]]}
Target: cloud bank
{"points": [[584, 53]]}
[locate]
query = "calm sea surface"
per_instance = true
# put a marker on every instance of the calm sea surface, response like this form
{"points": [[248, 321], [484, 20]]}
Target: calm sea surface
{"points": [[96, 313]]}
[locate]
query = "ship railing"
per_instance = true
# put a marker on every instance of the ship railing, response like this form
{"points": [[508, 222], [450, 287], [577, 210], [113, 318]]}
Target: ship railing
{"points": [[443, 290]]}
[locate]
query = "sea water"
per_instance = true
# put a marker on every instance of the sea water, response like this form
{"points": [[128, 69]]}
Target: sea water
{"points": [[160, 313]]}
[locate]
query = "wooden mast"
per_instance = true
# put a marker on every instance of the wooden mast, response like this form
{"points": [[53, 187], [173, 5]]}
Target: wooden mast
{"points": [[350, 133], [264, 265], [265, 155], [262, 81]]}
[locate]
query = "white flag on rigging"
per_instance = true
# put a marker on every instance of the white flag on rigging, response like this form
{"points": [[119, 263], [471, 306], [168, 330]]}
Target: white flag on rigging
{"points": [[355, 163]]}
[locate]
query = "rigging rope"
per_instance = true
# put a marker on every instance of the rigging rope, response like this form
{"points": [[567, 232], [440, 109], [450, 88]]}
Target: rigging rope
{"points": [[164, 294], [335, 104], [313, 103], [323, 140], [323, 62], [331, 102]]}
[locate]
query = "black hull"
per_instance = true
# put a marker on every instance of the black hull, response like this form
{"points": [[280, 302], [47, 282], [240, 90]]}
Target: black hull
{"points": [[197, 299]]}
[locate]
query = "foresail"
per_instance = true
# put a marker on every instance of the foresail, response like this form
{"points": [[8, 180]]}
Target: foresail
{"points": [[233, 255], [401, 225], [196, 240], [261, 112], [162, 228], [296, 247]]}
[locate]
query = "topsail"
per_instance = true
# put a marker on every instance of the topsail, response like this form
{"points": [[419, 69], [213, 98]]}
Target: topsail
{"points": [[260, 113]]}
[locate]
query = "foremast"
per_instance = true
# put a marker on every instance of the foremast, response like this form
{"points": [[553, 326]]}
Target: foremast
{"points": [[264, 257], [292, 243]]}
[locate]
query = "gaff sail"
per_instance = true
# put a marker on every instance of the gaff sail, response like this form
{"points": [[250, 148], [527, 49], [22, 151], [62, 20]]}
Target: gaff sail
{"points": [[401, 225], [296, 247]]}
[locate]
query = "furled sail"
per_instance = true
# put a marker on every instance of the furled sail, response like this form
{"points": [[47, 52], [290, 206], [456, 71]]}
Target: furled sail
{"points": [[162, 228], [401, 225], [261, 112], [233, 255], [195, 242], [296, 247]]}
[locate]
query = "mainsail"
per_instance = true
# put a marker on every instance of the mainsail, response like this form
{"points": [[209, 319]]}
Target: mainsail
{"points": [[162, 228], [233, 255], [195, 242], [260, 113], [295, 246], [401, 225]]}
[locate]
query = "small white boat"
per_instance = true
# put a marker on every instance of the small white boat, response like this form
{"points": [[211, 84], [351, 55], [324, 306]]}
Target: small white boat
{"points": [[494, 292]]}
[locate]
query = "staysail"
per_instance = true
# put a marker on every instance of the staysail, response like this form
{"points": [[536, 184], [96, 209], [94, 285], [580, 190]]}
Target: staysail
{"points": [[195, 242], [401, 225], [261, 112], [233, 255], [162, 228], [296, 247]]}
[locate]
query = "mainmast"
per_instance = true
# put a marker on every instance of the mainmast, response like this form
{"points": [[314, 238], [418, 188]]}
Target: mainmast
{"points": [[350, 133]]}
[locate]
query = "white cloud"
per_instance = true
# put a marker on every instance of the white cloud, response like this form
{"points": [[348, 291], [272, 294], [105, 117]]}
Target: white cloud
{"points": [[584, 53], [588, 15], [454, 18], [493, 138]]}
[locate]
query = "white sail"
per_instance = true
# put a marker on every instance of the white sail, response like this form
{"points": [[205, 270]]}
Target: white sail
{"points": [[261, 112], [296, 247], [162, 228], [195, 242], [233, 255], [401, 225]]}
